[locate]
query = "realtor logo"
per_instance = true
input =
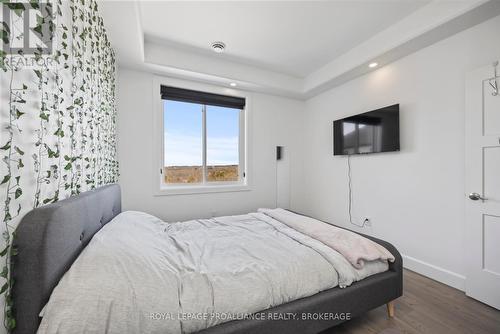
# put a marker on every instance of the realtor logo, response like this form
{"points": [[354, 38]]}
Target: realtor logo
{"points": [[27, 28]]}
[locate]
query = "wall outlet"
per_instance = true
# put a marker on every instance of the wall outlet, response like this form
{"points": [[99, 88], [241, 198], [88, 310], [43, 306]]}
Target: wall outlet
{"points": [[367, 221]]}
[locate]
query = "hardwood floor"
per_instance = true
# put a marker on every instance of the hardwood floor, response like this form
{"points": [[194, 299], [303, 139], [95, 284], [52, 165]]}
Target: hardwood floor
{"points": [[426, 307]]}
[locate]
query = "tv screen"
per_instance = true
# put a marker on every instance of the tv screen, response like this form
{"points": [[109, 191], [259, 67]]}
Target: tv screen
{"points": [[371, 132]]}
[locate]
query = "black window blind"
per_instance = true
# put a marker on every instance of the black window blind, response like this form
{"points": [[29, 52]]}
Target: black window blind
{"points": [[193, 96]]}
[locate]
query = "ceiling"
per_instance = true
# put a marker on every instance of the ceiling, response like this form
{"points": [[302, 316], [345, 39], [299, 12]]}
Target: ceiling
{"points": [[292, 37], [296, 49]]}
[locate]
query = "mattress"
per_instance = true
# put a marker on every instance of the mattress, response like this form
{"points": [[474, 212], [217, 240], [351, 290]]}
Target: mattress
{"points": [[140, 274]]}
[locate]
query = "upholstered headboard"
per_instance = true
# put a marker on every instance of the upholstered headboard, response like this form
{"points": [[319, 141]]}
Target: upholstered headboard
{"points": [[48, 240]]}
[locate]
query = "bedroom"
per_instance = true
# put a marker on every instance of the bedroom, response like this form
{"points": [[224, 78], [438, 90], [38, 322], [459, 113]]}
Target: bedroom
{"points": [[212, 151]]}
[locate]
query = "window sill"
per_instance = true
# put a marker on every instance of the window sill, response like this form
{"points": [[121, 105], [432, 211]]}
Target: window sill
{"points": [[205, 189]]}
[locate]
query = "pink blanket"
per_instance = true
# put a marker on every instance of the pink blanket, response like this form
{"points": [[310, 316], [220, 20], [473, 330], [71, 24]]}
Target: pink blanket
{"points": [[354, 247]]}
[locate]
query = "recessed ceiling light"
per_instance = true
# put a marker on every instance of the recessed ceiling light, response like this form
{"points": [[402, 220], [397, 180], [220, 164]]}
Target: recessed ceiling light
{"points": [[232, 84], [372, 65], [218, 47]]}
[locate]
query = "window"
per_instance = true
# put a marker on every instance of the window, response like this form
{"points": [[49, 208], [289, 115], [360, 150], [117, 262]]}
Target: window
{"points": [[203, 138]]}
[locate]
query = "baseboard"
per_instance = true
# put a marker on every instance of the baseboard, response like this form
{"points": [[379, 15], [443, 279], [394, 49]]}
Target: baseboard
{"points": [[444, 276]]}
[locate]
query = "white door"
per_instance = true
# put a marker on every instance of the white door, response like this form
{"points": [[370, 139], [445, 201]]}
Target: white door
{"points": [[482, 186]]}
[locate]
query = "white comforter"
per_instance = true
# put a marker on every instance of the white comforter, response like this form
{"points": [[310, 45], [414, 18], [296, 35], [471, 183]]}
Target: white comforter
{"points": [[142, 275]]}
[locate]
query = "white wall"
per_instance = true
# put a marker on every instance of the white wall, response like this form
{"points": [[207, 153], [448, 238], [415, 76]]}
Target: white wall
{"points": [[415, 198], [274, 121]]}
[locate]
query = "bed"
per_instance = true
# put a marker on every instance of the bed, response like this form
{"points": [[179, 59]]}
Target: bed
{"points": [[51, 238]]}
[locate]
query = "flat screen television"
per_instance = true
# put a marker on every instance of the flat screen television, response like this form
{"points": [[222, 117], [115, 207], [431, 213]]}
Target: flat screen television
{"points": [[371, 132]]}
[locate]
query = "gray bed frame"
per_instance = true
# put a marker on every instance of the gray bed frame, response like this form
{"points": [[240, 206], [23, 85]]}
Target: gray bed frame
{"points": [[50, 238]]}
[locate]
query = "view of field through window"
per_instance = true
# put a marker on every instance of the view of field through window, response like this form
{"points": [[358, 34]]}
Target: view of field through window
{"points": [[183, 143]]}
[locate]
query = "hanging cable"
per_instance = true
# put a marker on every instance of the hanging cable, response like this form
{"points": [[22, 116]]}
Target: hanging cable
{"points": [[350, 186], [350, 192]]}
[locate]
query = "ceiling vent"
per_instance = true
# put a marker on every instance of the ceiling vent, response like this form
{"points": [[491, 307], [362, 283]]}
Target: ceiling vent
{"points": [[218, 47]]}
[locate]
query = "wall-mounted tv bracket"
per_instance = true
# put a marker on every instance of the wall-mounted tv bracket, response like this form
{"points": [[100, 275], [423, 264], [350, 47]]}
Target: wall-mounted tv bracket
{"points": [[494, 80]]}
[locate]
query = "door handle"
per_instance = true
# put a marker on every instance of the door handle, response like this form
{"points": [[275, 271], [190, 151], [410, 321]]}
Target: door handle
{"points": [[476, 196]]}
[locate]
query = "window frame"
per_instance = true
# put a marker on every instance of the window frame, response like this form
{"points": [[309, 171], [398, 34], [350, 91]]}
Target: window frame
{"points": [[163, 188]]}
